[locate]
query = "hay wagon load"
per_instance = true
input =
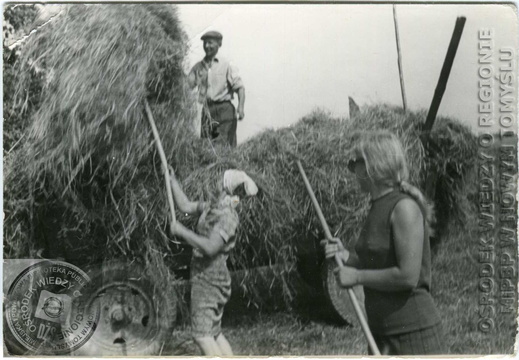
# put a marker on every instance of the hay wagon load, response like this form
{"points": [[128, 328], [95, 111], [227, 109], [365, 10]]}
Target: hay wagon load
{"points": [[86, 186]]}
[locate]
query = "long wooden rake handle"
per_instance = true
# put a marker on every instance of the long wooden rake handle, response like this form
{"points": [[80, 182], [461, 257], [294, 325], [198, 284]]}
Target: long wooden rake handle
{"points": [[162, 155], [353, 298]]}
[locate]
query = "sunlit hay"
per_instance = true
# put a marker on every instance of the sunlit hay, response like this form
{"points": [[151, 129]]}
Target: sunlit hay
{"points": [[88, 183], [281, 221], [85, 184]]}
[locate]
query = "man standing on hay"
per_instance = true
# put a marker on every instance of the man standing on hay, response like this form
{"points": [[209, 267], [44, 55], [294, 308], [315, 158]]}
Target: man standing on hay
{"points": [[217, 81]]}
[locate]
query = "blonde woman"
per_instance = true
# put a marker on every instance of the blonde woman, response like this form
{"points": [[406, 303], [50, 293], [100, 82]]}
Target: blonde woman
{"points": [[393, 259]]}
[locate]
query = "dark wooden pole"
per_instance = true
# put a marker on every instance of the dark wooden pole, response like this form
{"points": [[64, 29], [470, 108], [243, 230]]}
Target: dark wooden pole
{"points": [[430, 182], [444, 75]]}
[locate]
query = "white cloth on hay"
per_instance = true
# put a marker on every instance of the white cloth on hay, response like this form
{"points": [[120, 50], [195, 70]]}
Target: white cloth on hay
{"points": [[234, 178]]}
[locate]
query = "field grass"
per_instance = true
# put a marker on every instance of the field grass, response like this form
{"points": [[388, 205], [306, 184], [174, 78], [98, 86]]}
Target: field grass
{"points": [[303, 330], [456, 291]]}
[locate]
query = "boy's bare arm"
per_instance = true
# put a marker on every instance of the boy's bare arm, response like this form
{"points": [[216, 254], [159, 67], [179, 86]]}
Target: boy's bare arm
{"points": [[208, 246], [181, 200]]}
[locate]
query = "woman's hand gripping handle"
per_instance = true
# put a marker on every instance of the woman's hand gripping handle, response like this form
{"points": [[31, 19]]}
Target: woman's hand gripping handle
{"points": [[333, 248]]}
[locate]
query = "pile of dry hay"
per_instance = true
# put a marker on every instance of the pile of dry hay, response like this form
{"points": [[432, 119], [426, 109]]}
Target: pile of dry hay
{"points": [[79, 183], [87, 184]]}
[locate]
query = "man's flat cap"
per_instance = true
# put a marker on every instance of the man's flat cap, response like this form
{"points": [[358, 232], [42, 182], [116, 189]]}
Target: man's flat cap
{"points": [[212, 35]]}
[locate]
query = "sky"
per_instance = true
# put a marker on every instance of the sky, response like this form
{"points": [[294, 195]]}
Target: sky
{"points": [[294, 58]]}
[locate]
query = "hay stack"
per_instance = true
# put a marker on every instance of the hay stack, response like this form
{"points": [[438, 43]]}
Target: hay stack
{"points": [[281, 220], [87, 183], [77, 187]]}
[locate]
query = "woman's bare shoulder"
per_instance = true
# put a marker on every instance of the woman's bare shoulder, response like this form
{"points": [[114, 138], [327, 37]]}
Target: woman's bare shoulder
{"points": [[407, 210]]}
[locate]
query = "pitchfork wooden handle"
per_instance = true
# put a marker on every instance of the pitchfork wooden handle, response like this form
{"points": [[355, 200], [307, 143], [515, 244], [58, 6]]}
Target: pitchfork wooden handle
{"points": [[358, 311], [162, 155]]}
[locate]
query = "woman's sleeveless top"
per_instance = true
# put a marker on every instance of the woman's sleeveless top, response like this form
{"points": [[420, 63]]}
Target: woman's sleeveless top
{"points": [[398, 311]]}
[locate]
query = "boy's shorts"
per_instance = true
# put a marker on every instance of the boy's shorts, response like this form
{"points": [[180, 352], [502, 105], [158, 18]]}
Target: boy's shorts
{"points": [[210, 291]]}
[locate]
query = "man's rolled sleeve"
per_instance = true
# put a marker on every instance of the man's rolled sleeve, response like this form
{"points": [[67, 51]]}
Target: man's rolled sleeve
{"points": [[193, 75], [234, 78], [191, 78]]}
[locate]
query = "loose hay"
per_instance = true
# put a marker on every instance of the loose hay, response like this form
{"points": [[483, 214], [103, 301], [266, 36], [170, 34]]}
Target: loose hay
{"points": [[87, 184], [78, 186]]}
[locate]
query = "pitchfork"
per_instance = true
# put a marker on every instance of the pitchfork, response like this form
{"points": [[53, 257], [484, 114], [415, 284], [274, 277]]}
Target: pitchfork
{"points": [[353, 298]]}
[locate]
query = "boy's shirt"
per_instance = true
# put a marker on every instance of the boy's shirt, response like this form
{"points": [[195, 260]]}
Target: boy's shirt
{"points": [[223, 218]]}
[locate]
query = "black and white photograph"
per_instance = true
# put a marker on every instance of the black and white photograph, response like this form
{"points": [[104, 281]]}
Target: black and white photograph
{"points": [[237, 179]]}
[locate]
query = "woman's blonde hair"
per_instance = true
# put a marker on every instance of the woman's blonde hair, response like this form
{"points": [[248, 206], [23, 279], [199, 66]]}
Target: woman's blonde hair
{"points": [[386, 164]]}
